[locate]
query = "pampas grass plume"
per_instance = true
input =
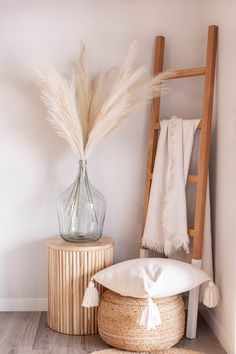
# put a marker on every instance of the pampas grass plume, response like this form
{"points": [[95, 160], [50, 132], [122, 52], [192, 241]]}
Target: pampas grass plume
{"points": [[85, 110]]}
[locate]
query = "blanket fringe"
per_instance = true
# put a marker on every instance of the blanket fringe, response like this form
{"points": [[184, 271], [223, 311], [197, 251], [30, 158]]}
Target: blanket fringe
{"points": [[153, 245], [181, 241], [175, 242]]}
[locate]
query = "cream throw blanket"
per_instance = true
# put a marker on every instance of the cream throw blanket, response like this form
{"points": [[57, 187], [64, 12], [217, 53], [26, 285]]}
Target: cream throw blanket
{"points": [[166, 222]]}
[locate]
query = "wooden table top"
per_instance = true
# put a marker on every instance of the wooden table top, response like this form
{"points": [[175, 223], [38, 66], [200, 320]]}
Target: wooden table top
{"points": [[57, 242]]}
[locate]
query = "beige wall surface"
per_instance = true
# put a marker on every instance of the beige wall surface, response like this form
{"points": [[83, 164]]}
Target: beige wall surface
{"points": [[223, 170], [36, 165]]}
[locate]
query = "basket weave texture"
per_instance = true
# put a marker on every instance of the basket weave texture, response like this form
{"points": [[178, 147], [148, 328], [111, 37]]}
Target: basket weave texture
{"points": [[118, 326], [169, 351]]}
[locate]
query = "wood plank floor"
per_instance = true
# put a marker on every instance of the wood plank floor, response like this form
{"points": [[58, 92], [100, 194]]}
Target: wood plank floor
{"points": [[27, 333]]}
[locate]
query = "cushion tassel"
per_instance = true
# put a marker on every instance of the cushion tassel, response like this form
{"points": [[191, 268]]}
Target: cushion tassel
{"points": [[150, 316], [211, 295], [91, 297]]}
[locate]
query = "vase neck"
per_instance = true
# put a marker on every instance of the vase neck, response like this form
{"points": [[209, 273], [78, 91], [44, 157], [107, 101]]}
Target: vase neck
{"points": [[82, 168], [83, 163]]}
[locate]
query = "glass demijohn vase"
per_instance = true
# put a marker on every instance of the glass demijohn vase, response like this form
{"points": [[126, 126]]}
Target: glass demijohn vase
{"points": [[81, 209]]}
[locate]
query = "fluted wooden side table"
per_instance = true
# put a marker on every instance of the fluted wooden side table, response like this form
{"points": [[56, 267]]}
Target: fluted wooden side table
{"points": [[70, 267]]}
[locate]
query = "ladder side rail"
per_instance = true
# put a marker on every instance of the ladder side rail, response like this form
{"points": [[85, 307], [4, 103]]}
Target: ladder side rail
{"points": [[154, 118], [203, 162], [204, 148]]}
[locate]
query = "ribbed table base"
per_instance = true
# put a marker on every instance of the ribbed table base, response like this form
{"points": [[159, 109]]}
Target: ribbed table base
{"points": [[70, 268]]}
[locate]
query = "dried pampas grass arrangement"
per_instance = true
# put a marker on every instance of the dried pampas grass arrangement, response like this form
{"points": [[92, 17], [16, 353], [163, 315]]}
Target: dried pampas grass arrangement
{"points": [[85, 109]]}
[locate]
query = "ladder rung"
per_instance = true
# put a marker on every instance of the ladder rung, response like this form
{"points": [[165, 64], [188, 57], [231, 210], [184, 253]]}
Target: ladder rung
{"points": [[157, 125], [177, 74], [191, 232], [192, 178]]}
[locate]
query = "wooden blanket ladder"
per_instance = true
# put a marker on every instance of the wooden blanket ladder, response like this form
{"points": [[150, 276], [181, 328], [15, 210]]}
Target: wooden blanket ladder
{"points": [[196, 233]]}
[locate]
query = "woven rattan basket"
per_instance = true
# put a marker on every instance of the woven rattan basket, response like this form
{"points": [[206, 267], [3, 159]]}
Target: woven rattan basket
{"points": [[118, 318]]}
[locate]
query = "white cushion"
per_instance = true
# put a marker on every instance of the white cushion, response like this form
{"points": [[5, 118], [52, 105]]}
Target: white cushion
{"points": [[154, 277]]}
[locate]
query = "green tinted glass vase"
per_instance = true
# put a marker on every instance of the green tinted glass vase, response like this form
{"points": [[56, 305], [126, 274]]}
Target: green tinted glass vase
{"points": [[81, 209]]}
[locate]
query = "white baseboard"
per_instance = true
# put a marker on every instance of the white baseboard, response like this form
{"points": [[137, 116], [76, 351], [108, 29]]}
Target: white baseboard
{"points": [[217, 329], [25, 304]]}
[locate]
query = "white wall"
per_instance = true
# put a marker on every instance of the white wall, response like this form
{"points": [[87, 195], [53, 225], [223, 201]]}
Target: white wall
{"points": [[223, 170], [36, 165]]}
